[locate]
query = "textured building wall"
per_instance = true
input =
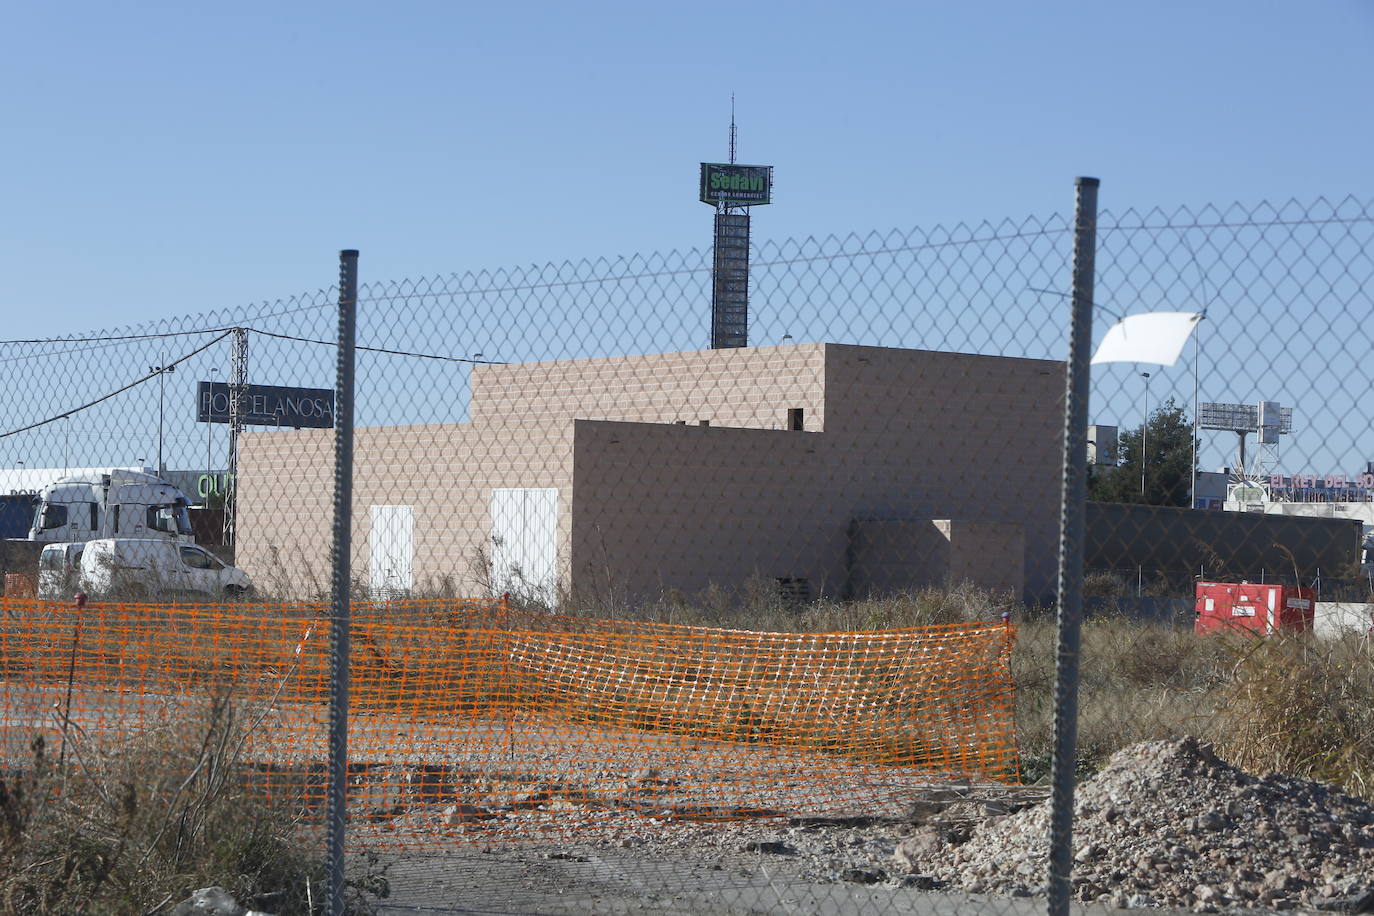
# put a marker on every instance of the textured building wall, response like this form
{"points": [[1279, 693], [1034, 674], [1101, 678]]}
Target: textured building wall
{"points": [[284, 510], [659, 507], [647, 505], [908, 435], [888, 557], [750, 387], [893, 557], [915, 434], [990, 555], [445, 472]]}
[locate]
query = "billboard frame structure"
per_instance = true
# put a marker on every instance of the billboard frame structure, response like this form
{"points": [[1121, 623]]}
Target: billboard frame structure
{"points": [[1268, 420]]}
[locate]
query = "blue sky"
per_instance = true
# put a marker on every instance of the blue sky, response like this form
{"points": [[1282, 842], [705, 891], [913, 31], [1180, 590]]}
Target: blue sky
{"points": [[164, 159], [168, 160]]}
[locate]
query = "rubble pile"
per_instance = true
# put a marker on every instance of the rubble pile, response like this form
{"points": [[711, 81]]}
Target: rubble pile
{"points": [[1168, 823]]}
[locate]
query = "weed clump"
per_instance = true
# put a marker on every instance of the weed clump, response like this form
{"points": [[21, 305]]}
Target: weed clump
{"points": [[136, 826], [1303, 708]]}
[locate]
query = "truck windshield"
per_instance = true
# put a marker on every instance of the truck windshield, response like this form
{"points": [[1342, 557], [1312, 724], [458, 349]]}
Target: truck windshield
{"points": [[51, 515], [172, 519]]}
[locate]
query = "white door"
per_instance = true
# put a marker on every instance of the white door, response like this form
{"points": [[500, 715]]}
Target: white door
{"points": [[391, 550], [524, 542], [198, 571]]}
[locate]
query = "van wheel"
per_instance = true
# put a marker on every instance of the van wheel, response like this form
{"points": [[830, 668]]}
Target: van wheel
{"points": [[235, 591]]}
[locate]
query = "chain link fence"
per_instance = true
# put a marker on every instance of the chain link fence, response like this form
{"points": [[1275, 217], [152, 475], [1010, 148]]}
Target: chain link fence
{"points": [[507, 594]]}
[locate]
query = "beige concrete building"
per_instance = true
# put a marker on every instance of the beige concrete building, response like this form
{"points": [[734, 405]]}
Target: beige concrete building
{"points": [[828, 469]]}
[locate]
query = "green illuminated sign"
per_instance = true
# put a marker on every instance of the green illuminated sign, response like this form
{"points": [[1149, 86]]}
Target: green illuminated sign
{"points": [[736, 185]]}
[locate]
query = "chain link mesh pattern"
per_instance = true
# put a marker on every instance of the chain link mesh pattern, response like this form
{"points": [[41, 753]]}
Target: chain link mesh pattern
{"points": [[588, 555]]}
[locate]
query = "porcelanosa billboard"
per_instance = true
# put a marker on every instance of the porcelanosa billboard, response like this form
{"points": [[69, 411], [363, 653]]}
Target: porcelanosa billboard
{"points": [[267, 405]]}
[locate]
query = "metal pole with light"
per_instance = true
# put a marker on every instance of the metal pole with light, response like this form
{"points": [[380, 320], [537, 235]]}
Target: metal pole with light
{"points": [[161, 371], [160, 384], [1144, 434], [1197, 360], [209, 454]]}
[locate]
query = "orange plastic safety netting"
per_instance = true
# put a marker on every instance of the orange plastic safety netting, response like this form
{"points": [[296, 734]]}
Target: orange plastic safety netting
{"points": [[469, 718]]}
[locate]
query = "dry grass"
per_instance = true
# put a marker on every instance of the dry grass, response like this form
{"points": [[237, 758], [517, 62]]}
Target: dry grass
{"points": [[1137, 682], [1294, 705], [757, 606], [1306, 708], [137, 827]]}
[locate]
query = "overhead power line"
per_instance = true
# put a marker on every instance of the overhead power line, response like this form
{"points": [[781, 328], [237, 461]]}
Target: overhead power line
{"points": [[332, 343], [158, 336], [223, 332], [133, 384]]}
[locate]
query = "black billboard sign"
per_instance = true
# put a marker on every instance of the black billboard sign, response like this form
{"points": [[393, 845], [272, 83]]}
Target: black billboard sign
{"points": [[268, 405], [736, 185]]}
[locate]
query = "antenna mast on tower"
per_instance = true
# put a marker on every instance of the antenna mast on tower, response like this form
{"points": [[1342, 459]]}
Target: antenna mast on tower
{"points": [[732, 128], [731, 189]]}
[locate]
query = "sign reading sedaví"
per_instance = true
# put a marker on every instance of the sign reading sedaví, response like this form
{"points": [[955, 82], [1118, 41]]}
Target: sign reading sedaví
{"points": [[268, 405], [736, 185]]}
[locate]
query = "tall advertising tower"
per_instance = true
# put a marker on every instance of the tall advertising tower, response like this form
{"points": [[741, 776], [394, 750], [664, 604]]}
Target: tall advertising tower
{"points": [[732, 189]]}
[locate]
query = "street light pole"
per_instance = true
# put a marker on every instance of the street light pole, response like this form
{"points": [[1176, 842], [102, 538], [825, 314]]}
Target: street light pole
{"points": [[1144, 434], [161, 371], [1192, 470], [209, 426]]}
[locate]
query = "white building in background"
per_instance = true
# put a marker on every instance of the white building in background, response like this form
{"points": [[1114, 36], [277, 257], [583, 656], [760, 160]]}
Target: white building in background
{"points": [[1209, 489], [1102, 445], [1312, 495]]}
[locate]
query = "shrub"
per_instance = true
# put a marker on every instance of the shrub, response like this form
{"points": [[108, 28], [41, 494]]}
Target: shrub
{"points": [[1302, 707], [1137, 682], [136, 827]]}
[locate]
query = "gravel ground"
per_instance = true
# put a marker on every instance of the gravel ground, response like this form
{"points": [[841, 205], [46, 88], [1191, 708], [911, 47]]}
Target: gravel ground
{"points": [[1165, 825], [1170, 823]]}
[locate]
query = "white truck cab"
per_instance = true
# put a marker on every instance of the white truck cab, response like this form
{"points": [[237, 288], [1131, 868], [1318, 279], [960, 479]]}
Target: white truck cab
{"points": [[120, 504]]}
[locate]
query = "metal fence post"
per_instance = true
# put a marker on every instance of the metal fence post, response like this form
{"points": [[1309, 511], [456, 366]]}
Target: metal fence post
{"points": [[1071, 526], [340, 606]]}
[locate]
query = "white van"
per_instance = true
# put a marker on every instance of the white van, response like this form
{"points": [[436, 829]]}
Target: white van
{"points": [[143, 567], [59, 568]]}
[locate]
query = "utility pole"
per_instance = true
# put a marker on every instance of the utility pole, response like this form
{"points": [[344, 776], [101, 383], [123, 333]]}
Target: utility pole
{"points": [[161, 371], [209, 426], [238, 381]]}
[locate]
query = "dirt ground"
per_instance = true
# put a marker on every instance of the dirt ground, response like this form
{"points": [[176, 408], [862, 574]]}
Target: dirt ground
{"points": [[593, 880]]}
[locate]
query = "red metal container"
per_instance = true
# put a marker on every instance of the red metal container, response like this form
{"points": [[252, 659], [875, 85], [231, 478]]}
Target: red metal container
{"points": [[1254, 608]]}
